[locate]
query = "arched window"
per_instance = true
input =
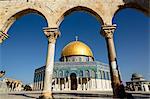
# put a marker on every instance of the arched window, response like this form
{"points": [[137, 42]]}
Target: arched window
{"points": [[99, 74], [40, 75], [81, 73], [66, 73], [73, 59], [76, 59], [108, 76], [80, 59], [87, 74], [93, 74], [55, 74], [60, 74], [35, 79], [87, 59], [104, 74]]}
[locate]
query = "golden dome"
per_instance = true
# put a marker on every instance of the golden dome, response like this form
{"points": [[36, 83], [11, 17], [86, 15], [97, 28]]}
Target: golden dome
{"points": [[76, 48]]}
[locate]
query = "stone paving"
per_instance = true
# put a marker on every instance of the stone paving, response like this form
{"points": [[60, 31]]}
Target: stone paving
{"points": [[71, 95], [66, 94]]}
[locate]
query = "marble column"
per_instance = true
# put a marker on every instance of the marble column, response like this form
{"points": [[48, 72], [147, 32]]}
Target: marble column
{"points": [[107, 31], [59, 84], [81, 84], [90, 84], [77, 83], [91, 87], [87, 84], [42, 80], [38, 81], [55, 88], [84, 86], [65, 83], [12, 86], [3, 36], [95, 83], [69, 83], [52, 34]]}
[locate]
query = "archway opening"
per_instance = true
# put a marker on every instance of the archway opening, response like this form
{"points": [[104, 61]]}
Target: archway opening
{"points": [[26, 48], [142, 6], [132, 43], [15, 16], [87, 28], [83, 9], [73, 78]]}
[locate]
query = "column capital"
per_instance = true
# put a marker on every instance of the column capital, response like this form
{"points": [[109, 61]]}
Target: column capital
{"points": [[108, 30], [3, 36], [51, 33]]}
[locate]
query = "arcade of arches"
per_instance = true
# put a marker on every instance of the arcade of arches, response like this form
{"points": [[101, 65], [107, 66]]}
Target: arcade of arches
{"points": [[55, 10]]}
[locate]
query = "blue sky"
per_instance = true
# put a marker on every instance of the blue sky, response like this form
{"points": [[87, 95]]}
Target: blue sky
{"points": [[26, 48]]}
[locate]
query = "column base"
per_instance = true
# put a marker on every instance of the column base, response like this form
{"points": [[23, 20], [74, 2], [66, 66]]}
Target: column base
{"points": [[46, 95]]}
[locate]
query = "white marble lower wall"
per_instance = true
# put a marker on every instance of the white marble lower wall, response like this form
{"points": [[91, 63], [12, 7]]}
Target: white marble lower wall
{"points": [[101, 85], [38, 86], [91, 85], [104, 85], [35, 86]]}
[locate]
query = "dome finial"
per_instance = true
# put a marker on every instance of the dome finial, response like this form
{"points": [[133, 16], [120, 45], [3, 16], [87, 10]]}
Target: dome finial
{"points": [[76, 38]]}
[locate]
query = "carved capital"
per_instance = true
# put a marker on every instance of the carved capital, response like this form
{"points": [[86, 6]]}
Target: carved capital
{"points": [[3, 36], [52, 34], [108, 30]]}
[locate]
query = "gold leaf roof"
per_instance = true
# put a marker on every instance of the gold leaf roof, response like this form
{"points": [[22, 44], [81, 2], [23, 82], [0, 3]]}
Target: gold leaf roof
{"points": [[76, 48]]}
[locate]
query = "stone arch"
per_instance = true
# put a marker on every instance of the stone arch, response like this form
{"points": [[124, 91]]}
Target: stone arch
{"points": [[141, 6], [79, 8], [13, 16]]}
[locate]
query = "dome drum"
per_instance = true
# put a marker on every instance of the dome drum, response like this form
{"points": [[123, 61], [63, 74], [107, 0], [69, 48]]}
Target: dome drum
{"points": [[76, 58]]}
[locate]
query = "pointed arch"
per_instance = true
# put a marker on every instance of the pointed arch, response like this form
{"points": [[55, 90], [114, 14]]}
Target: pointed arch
{"points": [[80, 8], [142, 6], [14, 16]]}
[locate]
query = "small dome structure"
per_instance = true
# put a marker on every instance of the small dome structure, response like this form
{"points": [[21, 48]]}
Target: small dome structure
{"points": [[136, 76]]}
